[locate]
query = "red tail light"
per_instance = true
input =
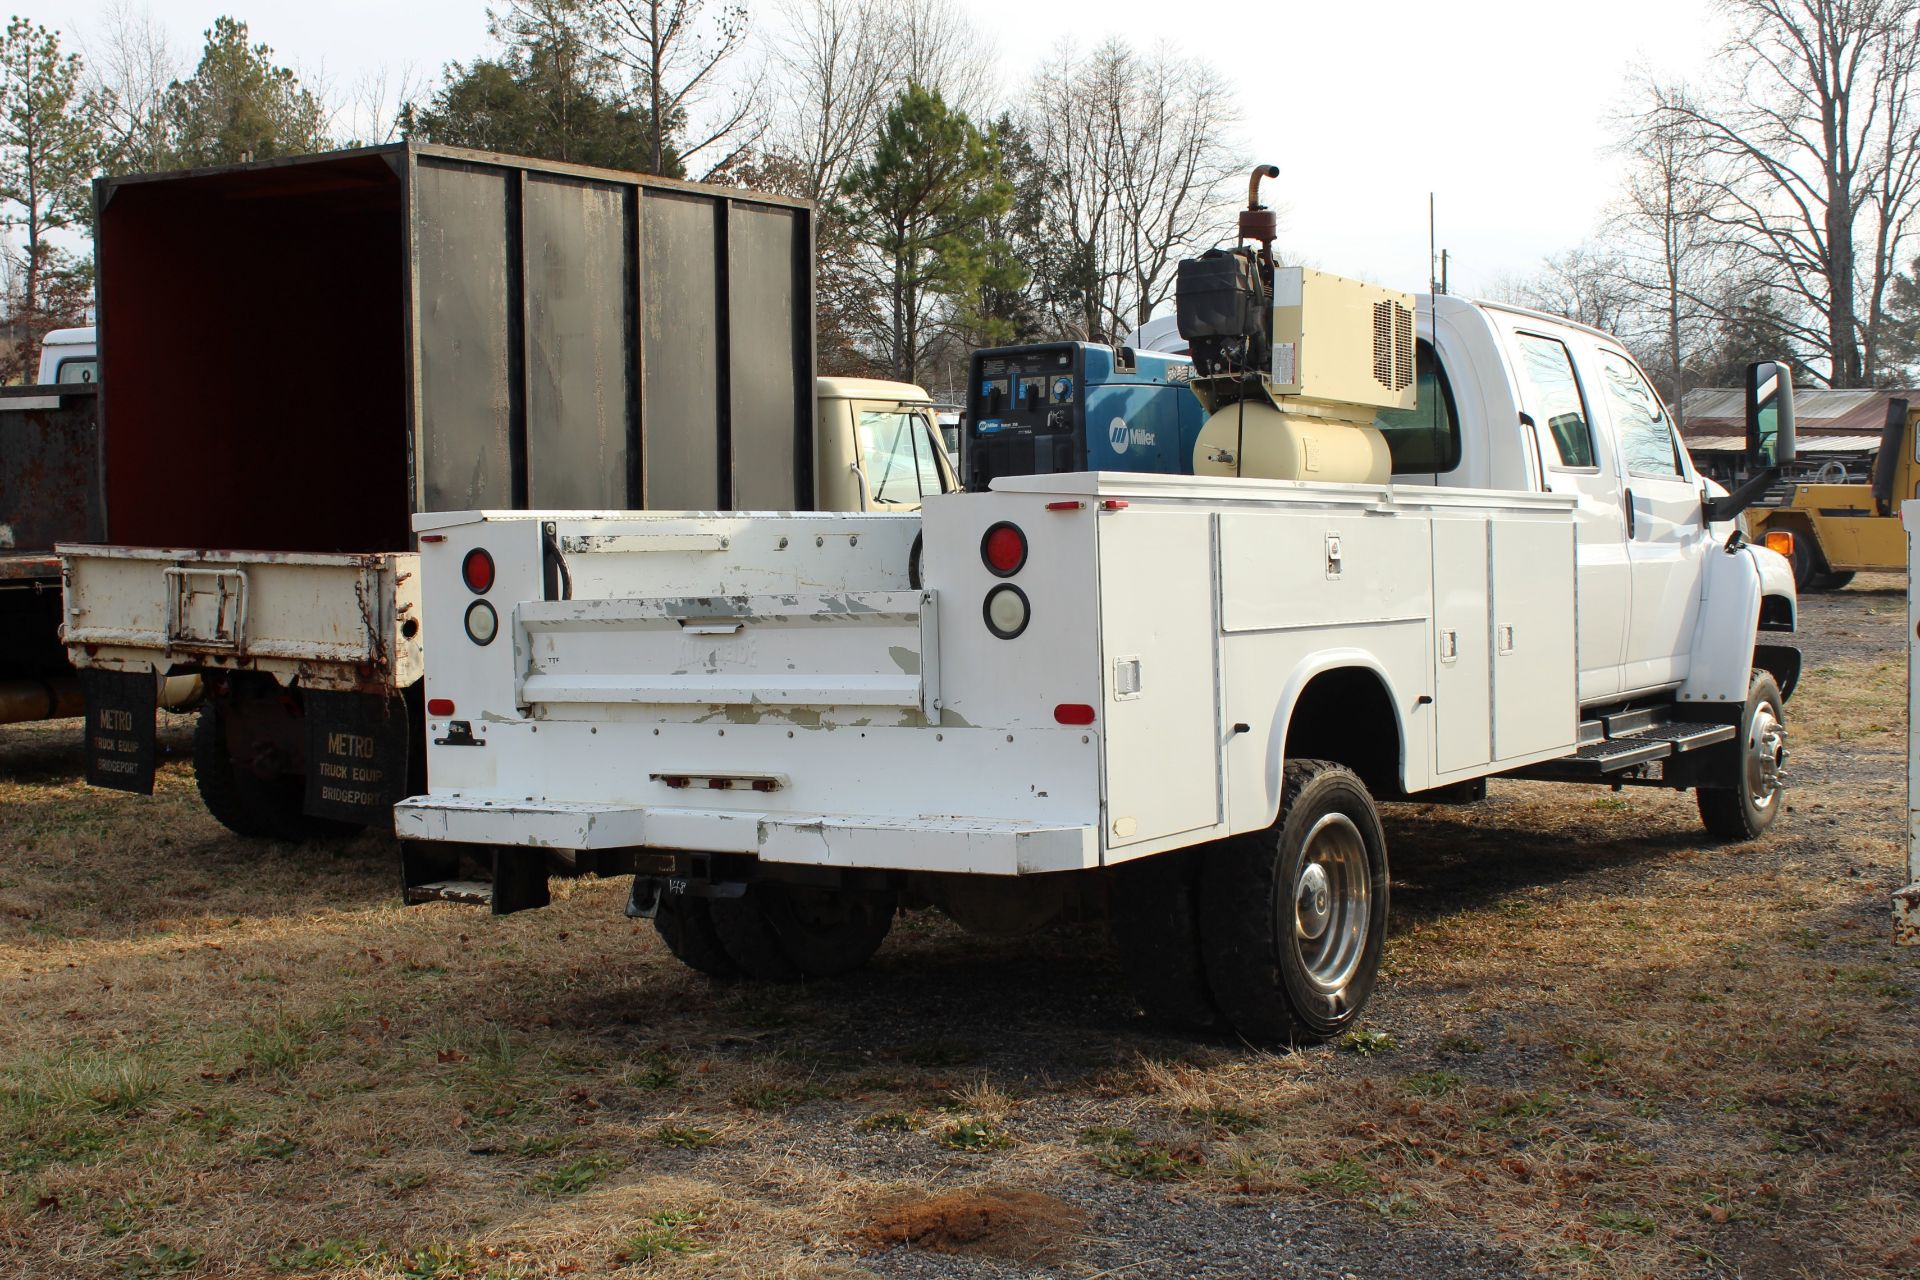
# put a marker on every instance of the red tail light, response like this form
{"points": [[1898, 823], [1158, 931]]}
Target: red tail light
{"points": [[1073, 713], [477, 571], [1004, 548], [439, 706]]}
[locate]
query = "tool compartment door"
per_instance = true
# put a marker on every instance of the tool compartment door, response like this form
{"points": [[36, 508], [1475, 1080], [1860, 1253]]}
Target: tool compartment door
{"points": [[1161, 658], [1535, 685]]}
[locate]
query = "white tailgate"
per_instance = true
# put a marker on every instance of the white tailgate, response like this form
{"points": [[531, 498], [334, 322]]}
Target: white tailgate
{"points": [[336, 620], [830, 649]]}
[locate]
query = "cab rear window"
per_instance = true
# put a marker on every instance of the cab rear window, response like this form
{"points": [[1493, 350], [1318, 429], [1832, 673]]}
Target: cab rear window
{"points": [[1426, 438]]}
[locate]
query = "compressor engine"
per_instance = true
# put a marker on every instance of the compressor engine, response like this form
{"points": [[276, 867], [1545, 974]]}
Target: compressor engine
{"points": [[1292, 364]]}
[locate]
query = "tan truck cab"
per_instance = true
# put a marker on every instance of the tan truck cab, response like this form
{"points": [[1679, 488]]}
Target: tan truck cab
{"points": [[878, 446]]}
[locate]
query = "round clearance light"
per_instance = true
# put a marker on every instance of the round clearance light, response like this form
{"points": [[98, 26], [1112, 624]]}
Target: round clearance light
{"points": [[1006, 611], [477, 571], [483, 624], [1004, 549]]}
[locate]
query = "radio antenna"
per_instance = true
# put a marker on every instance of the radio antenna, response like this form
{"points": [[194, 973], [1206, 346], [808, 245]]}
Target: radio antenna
{"points": [[1436, 287]]}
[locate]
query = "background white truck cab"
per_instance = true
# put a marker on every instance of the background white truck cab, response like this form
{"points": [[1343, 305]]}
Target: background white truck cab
{"points": [[1181, 692]]}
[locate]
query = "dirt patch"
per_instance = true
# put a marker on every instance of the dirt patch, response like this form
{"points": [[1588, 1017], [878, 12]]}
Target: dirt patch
{"points": [[994, 1220]]}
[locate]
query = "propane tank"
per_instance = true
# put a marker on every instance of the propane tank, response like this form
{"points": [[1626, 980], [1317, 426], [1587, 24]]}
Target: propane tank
{"points": [[1252, 438]]}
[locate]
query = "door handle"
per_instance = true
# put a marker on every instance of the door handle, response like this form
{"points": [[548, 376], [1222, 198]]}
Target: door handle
{"points": [[1630, 522]]}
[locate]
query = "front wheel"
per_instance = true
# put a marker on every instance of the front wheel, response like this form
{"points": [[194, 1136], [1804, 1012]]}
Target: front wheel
{"points": [[1750, 793], [1294, 917]]}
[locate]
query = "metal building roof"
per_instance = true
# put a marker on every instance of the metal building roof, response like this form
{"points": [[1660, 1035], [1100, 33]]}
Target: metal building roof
{"points": [[1722, 411], [1804, 443]]}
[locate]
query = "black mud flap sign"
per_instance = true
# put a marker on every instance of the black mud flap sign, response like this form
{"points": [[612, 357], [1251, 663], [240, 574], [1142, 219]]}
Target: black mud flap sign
{"points": [[356, 757], [120, 714]]}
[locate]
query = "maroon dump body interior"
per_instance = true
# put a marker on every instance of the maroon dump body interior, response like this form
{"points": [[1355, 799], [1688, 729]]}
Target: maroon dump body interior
{"points": [[296, 355], [254, 394]]}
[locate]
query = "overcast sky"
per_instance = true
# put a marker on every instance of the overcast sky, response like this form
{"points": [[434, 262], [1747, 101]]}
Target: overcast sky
{"points": [[1501, 108]]}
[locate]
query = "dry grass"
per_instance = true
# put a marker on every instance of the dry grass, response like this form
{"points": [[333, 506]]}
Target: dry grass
{"points": [[1601, 1046]]}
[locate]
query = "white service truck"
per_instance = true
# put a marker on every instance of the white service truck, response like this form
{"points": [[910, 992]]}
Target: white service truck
{"points": [[1441, 541]]}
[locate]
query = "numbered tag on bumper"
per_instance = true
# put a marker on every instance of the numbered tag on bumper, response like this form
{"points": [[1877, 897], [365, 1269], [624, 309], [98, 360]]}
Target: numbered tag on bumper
{"points": [[120, 733]]}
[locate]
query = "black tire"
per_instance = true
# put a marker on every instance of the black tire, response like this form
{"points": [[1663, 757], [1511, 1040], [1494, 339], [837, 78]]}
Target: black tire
{"points": [[1749, 797], [1156, 925], [1805, 561], [1268, 986], [686, 925], [245, 803], [783, 933], [1830, 581]]}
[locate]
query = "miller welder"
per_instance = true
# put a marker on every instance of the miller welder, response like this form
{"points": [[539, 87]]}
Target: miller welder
{"points": [[1077, 406]]}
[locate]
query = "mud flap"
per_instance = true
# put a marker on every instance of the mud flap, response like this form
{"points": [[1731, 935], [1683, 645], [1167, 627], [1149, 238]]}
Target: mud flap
{"points": [[1782, 662], [120, 729], [356, 757], [519, 880]]}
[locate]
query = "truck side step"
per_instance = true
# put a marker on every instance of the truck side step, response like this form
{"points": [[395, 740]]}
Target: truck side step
{"points": [[1644, 742]]}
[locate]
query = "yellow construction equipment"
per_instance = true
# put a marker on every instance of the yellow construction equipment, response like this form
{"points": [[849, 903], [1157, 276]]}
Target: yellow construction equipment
{"points": [[1832, 531]]}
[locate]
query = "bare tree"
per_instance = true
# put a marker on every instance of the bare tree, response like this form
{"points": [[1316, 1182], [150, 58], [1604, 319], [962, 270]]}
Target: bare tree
{"points": [[1672, 256], [932, 43], [1138, 146], [130, 63], [1175, 162], [839, 63], [375, 104], [1811, 146], [1586, 285], [676, 54], [833, 65]]}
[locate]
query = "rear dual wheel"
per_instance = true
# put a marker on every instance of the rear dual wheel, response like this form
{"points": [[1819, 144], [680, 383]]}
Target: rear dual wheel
{"points": [[261, 805], [776, 932], [1275, 934]]}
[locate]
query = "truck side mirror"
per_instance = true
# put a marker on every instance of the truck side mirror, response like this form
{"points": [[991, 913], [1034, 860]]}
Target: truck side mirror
{"points": [[1769, 436], [1770, 440]]}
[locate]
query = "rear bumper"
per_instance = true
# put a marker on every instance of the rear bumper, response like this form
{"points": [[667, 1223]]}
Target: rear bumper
{"points": [[978, 846]]}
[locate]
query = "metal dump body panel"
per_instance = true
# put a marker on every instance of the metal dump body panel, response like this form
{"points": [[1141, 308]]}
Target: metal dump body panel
{"points": [[49, 482], [682, 332], [409, 328]]}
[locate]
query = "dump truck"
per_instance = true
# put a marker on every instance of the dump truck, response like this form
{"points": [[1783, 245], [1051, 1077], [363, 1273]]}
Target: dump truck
{"points": [[1170, 699], [1831, 531], [49, 493], [409, 328]]}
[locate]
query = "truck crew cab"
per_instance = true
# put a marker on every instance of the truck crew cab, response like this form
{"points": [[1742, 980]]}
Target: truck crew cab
{"points": [[1429, 541]]}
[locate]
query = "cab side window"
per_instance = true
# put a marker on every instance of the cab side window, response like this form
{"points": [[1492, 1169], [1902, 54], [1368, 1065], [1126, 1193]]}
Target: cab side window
{"points": [[1425, 438], [1646, 436], [1553, 397]]}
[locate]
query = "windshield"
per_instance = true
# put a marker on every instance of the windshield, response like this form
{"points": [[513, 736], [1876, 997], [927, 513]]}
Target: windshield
{"points": [[900, 452]]}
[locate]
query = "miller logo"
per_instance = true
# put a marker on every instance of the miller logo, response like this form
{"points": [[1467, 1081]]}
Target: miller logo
{"points": [[1120, 435]]}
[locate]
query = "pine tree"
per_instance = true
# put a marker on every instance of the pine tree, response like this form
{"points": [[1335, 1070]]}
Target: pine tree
{"points": [[920, 208]]}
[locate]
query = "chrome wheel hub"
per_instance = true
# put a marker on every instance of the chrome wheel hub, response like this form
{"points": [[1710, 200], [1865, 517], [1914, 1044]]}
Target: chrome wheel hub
{"points": [[1332, 903], [1766, 749], [1313, 903]]}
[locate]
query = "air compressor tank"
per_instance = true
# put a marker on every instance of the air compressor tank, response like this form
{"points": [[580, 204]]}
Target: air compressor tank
{"points": [[1252, 438]]}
